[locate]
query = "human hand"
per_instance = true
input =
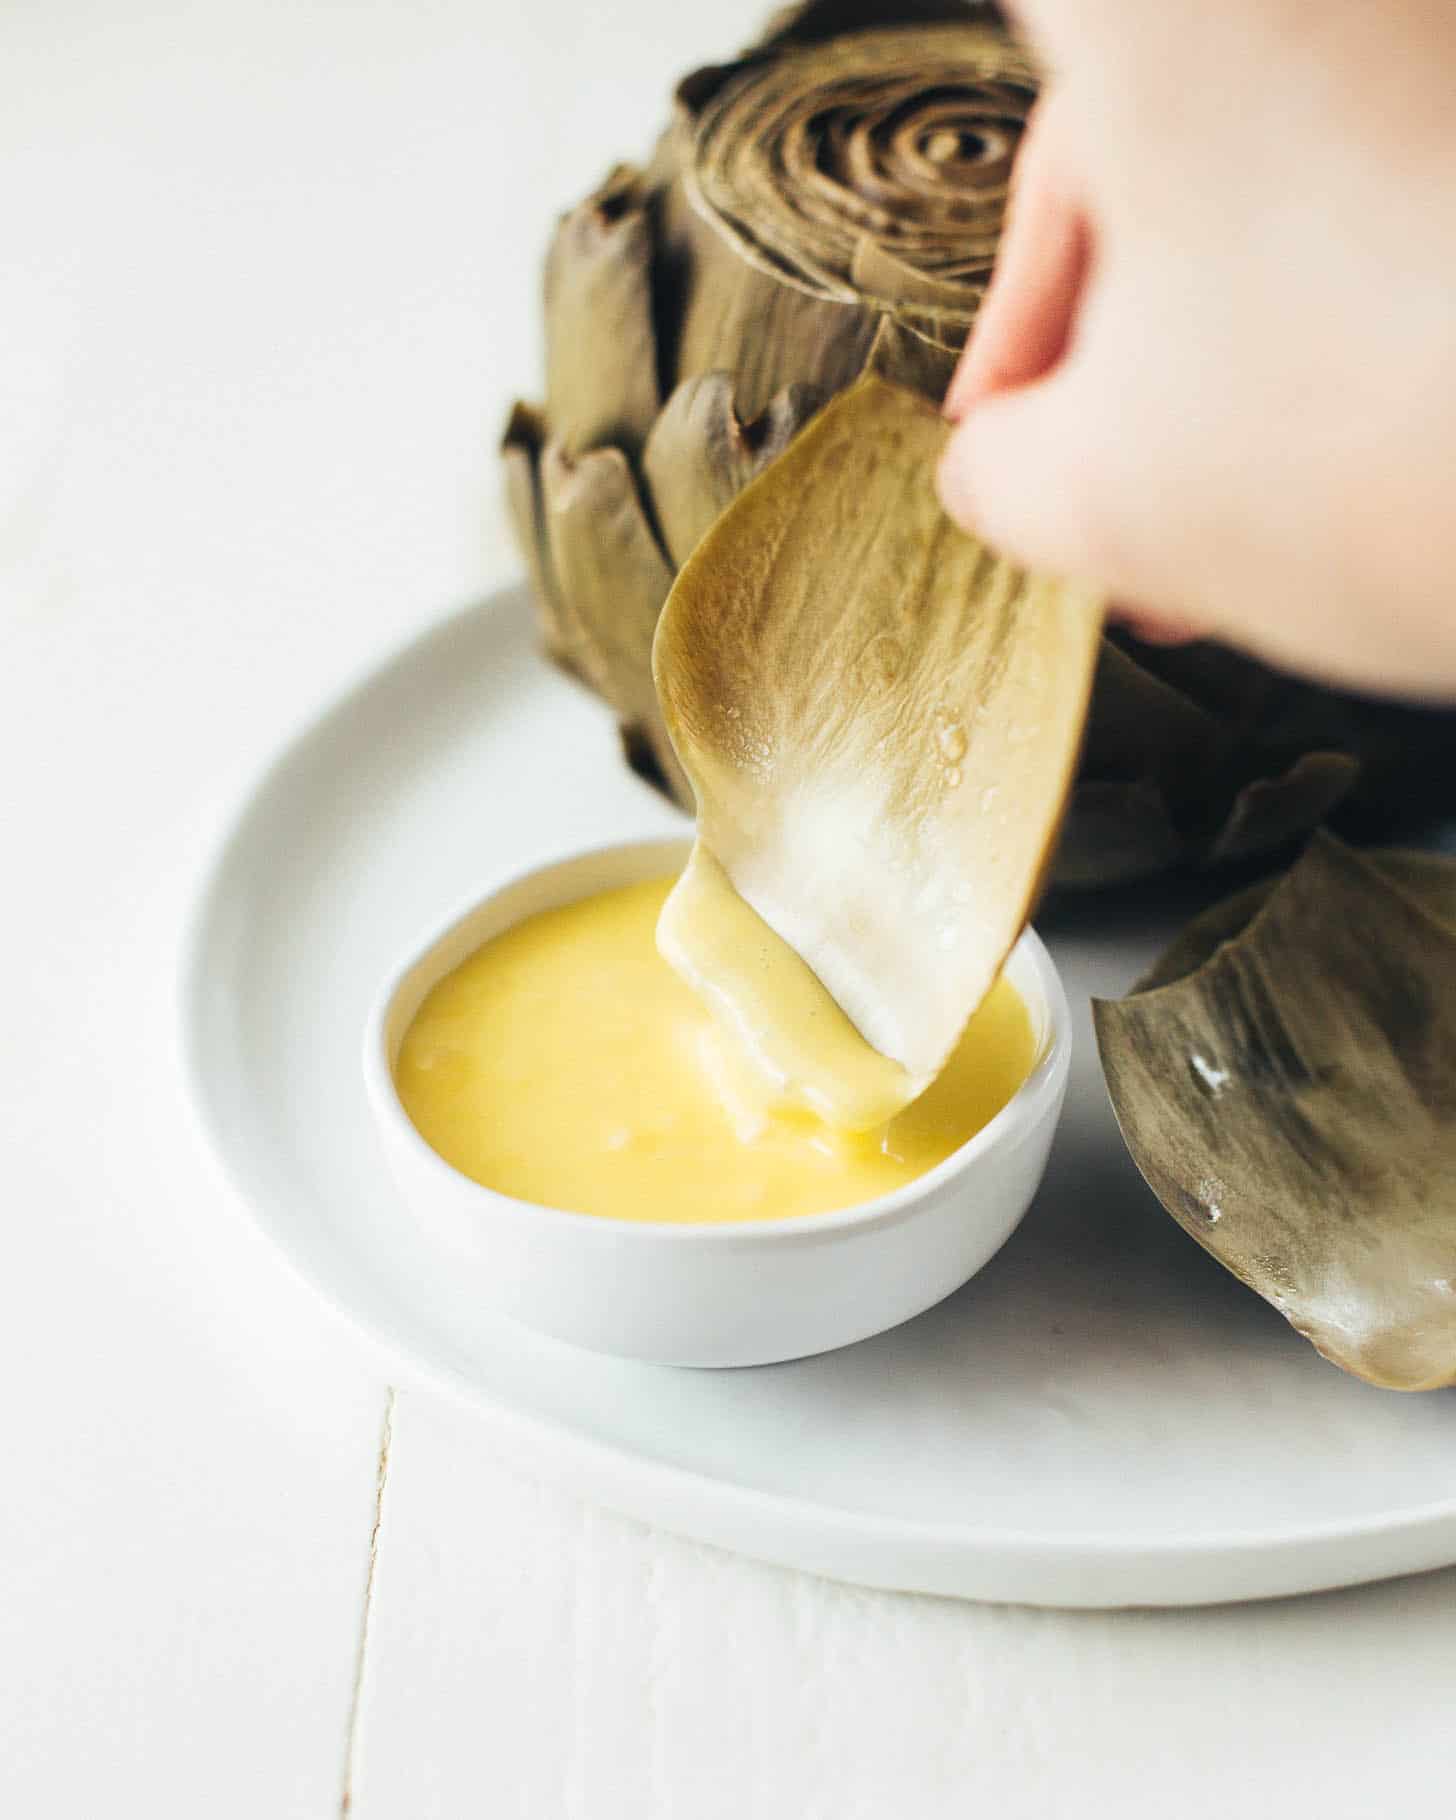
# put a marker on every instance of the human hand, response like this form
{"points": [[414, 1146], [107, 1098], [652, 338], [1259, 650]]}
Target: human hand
{"points": [[1216, 370]]}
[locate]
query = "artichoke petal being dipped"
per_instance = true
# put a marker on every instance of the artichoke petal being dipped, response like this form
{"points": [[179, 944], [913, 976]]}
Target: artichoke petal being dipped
{"points": [[890, 805]]}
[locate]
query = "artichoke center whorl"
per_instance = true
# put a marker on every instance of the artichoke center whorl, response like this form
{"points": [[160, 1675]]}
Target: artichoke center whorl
{"points": [[874, 170]]}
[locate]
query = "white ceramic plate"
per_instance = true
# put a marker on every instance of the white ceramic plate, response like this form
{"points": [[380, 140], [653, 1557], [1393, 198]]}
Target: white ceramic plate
{"points": [[1101, 1417]]}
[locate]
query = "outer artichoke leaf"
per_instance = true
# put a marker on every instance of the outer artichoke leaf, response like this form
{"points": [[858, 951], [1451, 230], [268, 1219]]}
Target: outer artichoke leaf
{"points": [[1143, 727], [1290, 1096], [1271, 811], [880, 719], [1199, 940], [1115, 831], [616, 576], [601, 351], [1427, 879], [1144, 742], [701, 454], [521, 447]]}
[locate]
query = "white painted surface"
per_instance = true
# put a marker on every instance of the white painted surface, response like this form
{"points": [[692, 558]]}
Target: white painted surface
{"points": [[611, 1673], [263, 296]]}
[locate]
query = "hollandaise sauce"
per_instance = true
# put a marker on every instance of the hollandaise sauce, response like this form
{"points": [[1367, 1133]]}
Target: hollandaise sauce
{"points": [[565, 1062]]}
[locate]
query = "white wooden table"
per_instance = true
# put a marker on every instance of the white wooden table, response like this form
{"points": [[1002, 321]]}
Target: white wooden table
{"points": [[267, 279]]}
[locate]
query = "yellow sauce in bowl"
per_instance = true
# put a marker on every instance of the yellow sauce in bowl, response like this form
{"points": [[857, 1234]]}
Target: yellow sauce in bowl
{"points": [[565, 1063]]}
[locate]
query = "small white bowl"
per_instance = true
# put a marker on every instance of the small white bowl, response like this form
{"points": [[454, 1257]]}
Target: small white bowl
{"points": [[747, 1293]]}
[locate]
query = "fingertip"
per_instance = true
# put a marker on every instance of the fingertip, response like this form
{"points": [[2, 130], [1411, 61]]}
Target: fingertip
{"points": [[1014, 472], [953, 478], [981, 474], [961, 392], [1153, 626]]}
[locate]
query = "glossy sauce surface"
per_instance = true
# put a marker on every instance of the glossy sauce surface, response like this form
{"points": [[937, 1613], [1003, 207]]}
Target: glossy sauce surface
{"points": [[799, 1048], [566, 1063]]}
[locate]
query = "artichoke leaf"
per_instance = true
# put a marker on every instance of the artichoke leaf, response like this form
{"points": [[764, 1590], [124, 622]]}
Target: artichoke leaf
{"points": [[906, 357], [601, 352], [1428, 879], [613, 570], [521, 446], [1199, 940], [1271, 811], [880, 719], [1143, 727], [1163, 783], [878, 272], [719, 312], [701, 454], [1116, 831], [1285, 1079]]}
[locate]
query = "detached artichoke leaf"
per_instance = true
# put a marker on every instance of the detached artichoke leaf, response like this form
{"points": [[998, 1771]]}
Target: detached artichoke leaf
{"points": [[880, 719], [616, 576], [601, 357], [1198, 941], [1285, 1079], [1427, 879]]}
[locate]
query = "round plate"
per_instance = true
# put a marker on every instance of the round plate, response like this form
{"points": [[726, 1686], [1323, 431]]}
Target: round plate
{"points": [[1102, 1417]]}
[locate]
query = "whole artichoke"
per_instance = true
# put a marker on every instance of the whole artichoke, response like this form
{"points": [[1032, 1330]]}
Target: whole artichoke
{"points": [[828, 202]]}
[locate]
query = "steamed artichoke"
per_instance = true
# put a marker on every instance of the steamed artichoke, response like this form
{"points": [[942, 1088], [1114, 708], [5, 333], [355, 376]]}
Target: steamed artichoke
{"points": [[827, 203]]}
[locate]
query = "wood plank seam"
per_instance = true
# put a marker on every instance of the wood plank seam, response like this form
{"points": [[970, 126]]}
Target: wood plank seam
{"points": [[352, 1734]]}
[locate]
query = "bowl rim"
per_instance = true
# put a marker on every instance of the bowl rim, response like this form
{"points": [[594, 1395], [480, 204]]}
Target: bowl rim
{"points": [[1036, 1100]]}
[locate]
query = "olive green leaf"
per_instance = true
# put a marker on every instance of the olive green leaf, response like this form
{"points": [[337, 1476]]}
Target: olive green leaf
{"points": [[615, 574], [701, 454], [879, 716], [598, 294], [521, 447], [1285, 1079]]}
